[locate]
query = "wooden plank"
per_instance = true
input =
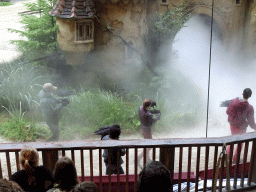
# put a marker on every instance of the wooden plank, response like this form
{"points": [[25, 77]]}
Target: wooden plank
{"points": [[252, 170], [7, 154], [91, 165], [135, 168], [73, 155], [82, 163], [189, 168], [244, 163], [237, 163], [215, 162], [100, 169], [50, 157], [180, 168], [206, 165], [167, 158], [175, 142], [109, 173], [1, 170], [118, 170], [154, 153], [231, 156], [63, 153], [17, 160], [144, 157], [127, 170], [197, 167], [221, 172]]}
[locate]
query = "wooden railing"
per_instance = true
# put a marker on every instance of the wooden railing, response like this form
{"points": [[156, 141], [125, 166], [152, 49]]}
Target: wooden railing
{"points": [[180, 156]]}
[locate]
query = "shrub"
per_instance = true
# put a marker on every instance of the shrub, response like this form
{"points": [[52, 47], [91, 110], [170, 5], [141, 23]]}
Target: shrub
{"points": [[89, 110], [16, 128], [99, 108], [5, 3]]}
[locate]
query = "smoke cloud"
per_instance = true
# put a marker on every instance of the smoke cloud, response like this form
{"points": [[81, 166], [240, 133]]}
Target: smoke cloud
{"points": [[230, 72]]}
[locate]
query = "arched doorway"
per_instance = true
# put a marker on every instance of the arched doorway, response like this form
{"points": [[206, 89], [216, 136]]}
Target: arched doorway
{"points": [[219, 24]]}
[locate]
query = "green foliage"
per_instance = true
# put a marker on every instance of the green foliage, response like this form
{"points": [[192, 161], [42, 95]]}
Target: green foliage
{"points": [[16, 128], [89, 110], [98, 108], [5, 3], [168, 25], [40, 30], [19, 84]]}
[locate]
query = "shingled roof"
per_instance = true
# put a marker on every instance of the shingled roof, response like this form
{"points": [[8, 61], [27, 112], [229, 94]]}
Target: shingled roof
{"points": [[80, 9]]}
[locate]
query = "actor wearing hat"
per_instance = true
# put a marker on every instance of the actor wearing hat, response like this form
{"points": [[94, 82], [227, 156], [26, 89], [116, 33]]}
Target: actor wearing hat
{"points": [[51, 109]]}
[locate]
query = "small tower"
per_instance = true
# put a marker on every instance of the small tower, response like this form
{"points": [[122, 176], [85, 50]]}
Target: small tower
{"points": [[75, 20]]}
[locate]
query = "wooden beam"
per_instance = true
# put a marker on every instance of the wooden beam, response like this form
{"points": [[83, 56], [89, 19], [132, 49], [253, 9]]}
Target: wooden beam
{"points": [[50, 157]]}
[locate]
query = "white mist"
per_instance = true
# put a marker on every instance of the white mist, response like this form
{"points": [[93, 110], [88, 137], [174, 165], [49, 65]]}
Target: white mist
{"points": [[229, 75]]}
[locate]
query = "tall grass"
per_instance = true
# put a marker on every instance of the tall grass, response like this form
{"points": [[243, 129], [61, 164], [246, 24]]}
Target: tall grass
{"points": [[17, 128], [98, 108], [19, 83], [89, 110]]}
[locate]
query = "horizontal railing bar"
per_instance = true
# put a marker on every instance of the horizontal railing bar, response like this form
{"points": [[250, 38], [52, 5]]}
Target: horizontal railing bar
{"points": [[142, 143]]}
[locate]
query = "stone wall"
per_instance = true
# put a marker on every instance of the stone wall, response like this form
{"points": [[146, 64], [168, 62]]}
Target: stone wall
{"points": [[130, 20], [110, 54], [127, 21], [229, 17], [250, 31]]}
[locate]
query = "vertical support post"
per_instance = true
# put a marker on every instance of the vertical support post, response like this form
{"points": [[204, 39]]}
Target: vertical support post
{"points": [[253, 162], [50, 157], [167, 157]]}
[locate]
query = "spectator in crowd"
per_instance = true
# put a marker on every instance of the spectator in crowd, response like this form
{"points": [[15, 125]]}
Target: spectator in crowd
{"points": [[65, 175], [154, 177], [114, 134], [9, 186], [32, 177], [51, 109], [86, 186], [146, 121]]}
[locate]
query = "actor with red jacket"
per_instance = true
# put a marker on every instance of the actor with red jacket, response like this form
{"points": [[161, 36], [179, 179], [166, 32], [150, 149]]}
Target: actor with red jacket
{"points": [[240, 115]]}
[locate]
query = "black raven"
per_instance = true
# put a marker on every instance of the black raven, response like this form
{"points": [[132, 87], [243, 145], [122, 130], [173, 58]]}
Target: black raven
{"points": [[103, 131]]}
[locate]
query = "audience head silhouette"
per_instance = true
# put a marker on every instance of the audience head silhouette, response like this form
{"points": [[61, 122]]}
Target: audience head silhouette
{"points": [[65, 174], [86, 186], [9, 186], [154, 177], [29, 160]]}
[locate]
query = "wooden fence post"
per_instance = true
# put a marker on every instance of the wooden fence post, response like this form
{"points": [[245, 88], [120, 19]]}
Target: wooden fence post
{"points": [[167, 157], [253, 163], [50, 157]]}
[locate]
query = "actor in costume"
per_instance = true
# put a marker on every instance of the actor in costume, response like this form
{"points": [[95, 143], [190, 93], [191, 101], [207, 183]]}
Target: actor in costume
{"points": [[146, 121], [51, 109], [114, 133], [240, 115]]}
